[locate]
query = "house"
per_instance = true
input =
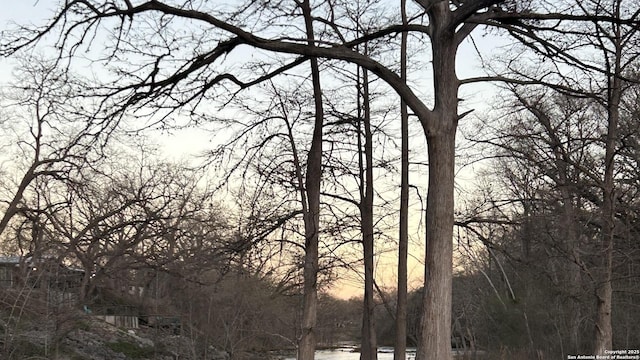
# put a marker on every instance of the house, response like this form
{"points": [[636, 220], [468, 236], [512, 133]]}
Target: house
{"points": [[9, 270], [18, 271]]}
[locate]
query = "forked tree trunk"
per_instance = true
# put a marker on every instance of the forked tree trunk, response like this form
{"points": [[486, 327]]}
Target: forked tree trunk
{"points": [[307, 342], [435, 325]]}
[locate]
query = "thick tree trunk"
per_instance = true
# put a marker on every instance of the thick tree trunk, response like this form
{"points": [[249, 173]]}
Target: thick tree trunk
{"points": [[435, 325], [307, 342]]}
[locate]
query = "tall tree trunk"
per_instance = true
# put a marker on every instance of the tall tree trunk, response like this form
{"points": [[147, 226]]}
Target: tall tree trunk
{"points": [[604, 290], [307, 342], [369, 349], [435, 325], [400, 349]]}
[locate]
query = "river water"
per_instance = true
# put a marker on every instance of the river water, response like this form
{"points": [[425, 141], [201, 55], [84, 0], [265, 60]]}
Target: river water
{"points": [[384, 353], [351, 353]]}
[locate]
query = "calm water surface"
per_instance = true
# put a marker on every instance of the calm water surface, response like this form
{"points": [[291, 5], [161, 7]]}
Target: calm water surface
{"points": [[349, 353]]}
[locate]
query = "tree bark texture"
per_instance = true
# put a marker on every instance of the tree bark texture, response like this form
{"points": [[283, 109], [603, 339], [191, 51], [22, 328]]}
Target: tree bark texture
{"points": [[369, 349], [307, 342], [435, 325], [435, 335]]}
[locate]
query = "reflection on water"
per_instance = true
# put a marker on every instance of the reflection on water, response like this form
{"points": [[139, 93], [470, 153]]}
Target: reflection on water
{"points": [[351, 353]]}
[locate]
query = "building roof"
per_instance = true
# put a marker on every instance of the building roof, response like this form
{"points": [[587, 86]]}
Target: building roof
{"points": [[16, 259], [10, 260]]}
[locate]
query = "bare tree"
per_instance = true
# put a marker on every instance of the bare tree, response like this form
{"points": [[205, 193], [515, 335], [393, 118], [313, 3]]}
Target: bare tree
{"points": [[63, 136], [369, 345], [610, 31], [159, 83], [311, 210]]}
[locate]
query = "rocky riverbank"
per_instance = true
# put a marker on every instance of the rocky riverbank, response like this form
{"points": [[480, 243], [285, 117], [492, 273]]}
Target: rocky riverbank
{"points": [[93, 339]]}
